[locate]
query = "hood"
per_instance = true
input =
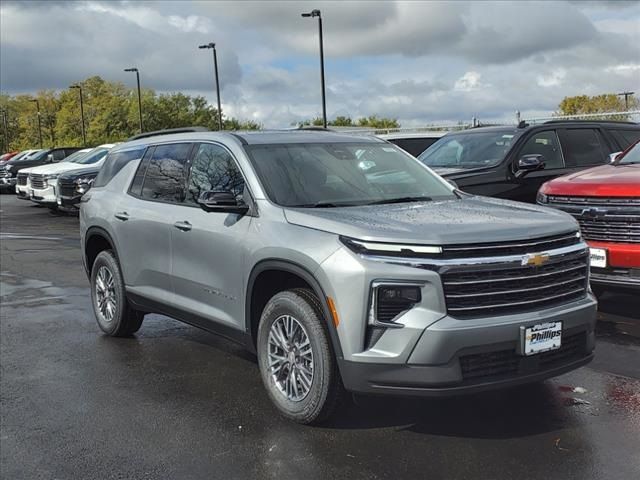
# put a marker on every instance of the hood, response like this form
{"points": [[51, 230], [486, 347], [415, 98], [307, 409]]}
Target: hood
{"points": [[82, 172], [62, 167], [468, 220], [605, 180]]}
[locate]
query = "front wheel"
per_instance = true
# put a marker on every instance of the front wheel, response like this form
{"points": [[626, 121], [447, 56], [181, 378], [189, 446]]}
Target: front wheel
{"points": [[114, 314], [297, 364]]}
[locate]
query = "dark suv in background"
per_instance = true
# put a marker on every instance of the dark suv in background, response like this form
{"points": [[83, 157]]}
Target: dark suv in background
{"points": [[513, 162], [9, 170]]}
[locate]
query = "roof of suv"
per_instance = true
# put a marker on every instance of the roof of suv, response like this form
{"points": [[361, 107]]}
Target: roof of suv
{"points": [[546, 125]]}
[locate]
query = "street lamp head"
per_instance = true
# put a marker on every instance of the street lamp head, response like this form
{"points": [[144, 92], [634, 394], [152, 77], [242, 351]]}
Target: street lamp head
{"points": [[208, 45], [312, 13], [133, 69]]}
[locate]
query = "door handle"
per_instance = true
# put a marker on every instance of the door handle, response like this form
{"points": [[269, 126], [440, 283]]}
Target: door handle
{"points": [[124, 216], [183, 226]]}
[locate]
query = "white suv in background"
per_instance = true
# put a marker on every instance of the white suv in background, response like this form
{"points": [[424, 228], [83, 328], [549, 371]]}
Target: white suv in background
{"points": [[43, 181], [23, 186]]}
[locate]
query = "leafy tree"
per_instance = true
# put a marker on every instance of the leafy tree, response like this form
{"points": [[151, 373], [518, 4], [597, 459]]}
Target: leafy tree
{"points": [[584, 104]]}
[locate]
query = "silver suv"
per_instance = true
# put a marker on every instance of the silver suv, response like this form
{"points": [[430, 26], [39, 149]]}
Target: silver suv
{"points": [[342, 261]]}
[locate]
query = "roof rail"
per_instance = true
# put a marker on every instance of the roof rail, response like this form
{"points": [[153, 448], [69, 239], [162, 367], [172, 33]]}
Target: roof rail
{"points": [[314, 128], [168, 131], [584, 120]]}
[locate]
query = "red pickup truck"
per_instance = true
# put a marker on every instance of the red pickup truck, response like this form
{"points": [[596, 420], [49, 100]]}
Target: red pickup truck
{"points": [[606, 202]]}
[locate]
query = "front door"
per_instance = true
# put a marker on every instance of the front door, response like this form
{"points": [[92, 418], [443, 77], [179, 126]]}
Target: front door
{"points": [[208, 247], [543, 143]]}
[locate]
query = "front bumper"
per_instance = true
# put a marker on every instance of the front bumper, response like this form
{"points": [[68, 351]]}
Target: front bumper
{"points": [[623, 265], [46, 196], [460, 356], [69, 203], [7, 182], [22, 192]]}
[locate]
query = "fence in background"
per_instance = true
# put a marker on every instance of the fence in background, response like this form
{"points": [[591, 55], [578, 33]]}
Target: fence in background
{"points": [[633, 116]]}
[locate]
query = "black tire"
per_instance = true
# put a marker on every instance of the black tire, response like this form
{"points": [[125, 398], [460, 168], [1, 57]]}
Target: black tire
{"points": [[326, 391], [125, 320]]}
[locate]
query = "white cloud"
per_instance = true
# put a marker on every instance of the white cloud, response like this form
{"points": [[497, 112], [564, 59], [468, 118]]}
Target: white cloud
{"points": [[554, 79], [468, 82]]}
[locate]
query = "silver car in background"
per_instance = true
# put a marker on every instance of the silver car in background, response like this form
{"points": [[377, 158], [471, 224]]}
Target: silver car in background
{"points": [[342, 261]]}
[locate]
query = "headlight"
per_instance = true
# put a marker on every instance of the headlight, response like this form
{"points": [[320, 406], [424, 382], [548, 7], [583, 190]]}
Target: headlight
{"points": [[52, 176], [83, 184], [542, 198], [9, 167]]}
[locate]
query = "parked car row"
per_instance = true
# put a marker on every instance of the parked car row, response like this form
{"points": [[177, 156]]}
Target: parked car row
{"points": [[346, 264]]}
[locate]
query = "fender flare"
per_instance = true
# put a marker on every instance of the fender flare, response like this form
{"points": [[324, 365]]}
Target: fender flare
{"points": [[307, 276], [93, 232]]}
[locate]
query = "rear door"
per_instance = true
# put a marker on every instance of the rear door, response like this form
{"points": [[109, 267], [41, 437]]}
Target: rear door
{"points": [[208, 247], [143, 221], [584, 147], [543, 143]]}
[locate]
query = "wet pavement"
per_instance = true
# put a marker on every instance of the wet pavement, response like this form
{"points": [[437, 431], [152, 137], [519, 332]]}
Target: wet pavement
{"points": [[175, 402]]}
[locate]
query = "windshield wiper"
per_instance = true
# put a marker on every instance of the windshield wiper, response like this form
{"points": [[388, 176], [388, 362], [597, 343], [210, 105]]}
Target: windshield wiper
{"points": [[320, 205], [402, 200]]}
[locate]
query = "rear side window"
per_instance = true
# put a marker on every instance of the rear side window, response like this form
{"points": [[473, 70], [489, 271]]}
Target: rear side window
{"points": [[114, 163], [164, 179], [582, 147], [414, 146], [625, 138], [58, 155]]}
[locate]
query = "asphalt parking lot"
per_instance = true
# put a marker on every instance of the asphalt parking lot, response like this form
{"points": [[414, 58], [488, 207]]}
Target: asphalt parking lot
{"points": [[176, 402]]}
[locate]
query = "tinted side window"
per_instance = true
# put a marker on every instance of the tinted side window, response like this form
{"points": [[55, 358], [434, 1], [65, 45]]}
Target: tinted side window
{"points": [[213, 169], [164, 180], [582, 147], [414, 146], [136, 184], [625, 138], [58, 155], [114, 163], [545, 144]]}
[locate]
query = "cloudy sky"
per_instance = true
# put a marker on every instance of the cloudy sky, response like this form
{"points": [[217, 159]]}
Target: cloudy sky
{"points": [[416, 61]]}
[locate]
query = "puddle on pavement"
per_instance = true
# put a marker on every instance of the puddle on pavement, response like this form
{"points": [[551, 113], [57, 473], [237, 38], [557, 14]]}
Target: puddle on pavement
{"points": [[18, 291]]}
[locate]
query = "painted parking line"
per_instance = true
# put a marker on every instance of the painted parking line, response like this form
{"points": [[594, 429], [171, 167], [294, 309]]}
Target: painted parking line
{"points": [[21, 236]]}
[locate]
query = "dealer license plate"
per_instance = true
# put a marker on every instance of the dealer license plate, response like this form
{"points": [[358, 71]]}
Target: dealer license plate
{"points": [[542, 337], [598, 257]]}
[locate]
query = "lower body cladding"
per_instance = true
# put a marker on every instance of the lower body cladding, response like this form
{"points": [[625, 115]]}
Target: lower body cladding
{"points": [[465, 356]]}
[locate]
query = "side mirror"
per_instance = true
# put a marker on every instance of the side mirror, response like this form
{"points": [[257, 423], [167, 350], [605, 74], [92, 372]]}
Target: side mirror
{"points": [[529, 163], [221, 201], [614, 156], [50, 158]]}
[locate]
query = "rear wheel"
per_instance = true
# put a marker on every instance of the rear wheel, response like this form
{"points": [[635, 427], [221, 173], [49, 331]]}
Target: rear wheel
{"points": [[114, 314], [296, 360]]}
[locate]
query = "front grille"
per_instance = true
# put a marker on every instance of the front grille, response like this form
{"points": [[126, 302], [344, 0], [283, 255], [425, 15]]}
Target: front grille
{"points": [[67, 189], [22, 179], [606, 219], [502, 289], [38, 182], [4, 173], [507, 363], [583, 202]]}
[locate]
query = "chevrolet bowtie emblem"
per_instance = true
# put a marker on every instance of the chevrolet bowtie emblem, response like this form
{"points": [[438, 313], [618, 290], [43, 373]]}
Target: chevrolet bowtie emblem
{"points": [[535, 259]]}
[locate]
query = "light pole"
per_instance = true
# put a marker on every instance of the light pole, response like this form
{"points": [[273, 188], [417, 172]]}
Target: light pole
{"points": [[134, 69], [212, 46], [84, 133], [316, 13], [39, 122]]}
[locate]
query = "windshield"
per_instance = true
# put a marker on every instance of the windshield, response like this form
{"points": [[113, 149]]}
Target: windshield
{"points": [[94, 156], [469, 150], [343, 174], [632, 156], [39, 155], [76, 156]]}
